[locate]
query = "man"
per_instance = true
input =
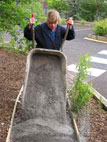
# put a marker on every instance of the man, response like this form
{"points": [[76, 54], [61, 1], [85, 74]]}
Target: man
{"points": [[49, 35]]}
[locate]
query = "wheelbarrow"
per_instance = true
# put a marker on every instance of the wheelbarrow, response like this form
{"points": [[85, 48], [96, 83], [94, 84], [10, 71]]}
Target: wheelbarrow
{"points": [[44, 100]]}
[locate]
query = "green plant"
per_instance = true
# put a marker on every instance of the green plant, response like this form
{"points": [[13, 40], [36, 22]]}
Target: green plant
{"points": [[93, 9], [13, 17], [100, 27], [80, 93], [42, 19], [83, 22], [63, 21], [1, 38], [20, 46]]}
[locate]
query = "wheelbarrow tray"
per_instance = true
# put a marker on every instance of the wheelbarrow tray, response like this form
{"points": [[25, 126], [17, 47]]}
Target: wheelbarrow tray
{"points": [[44, 99]]}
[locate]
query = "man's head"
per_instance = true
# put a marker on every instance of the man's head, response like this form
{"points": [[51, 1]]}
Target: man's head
{"points": [[53, 18]]}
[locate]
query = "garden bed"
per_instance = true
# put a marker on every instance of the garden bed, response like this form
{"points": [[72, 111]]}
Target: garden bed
{"points": [[12, 73], [86, 23], [91, 122], [96, 37]]}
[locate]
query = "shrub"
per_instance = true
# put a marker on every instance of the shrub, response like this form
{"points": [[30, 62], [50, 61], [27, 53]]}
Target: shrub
{"points": [[63, 21], [83, 22], [14, 17], [100, 27], [80, 93]]}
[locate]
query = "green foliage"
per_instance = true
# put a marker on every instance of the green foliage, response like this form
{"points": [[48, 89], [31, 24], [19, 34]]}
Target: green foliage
{"points": [[12, 14], [80, 93], [13, 20], [93, 9], [21, 46], [83, 22], [74, 9], [63, 21], [59, 5], [100, 27], [1, 39], [42, 19], [88, 10]]}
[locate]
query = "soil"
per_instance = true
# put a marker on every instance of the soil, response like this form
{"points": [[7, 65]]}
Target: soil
{"points": [[12, 73], [98, 122], [12, 70]]}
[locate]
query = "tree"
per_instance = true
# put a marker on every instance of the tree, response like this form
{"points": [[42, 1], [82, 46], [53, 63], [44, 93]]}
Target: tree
{"points": [[89, 10], [97, 9], [74, 8], [60, 5]]}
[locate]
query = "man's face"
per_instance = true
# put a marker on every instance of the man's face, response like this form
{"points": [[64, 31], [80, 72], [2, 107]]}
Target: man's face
{"points": [[52, 25]]}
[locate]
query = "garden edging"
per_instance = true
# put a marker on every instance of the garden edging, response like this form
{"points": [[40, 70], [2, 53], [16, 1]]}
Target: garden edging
{"points": [[13, 114], [96, 37], [100, 97]]}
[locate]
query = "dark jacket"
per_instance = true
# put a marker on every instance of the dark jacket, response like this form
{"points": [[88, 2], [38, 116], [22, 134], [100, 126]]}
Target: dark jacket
{"points": [[43, 39]]}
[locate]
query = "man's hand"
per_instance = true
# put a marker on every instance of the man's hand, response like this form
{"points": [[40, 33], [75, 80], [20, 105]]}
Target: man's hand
{"points": [[70, 22], [31, 22]]}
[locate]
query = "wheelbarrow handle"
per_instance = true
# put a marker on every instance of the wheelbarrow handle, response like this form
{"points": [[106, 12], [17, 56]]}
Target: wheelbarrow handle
{"points": [[66, 33], [33, 39]]}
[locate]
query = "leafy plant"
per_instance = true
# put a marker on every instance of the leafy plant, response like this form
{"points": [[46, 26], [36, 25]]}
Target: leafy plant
{"points": [[21, 46], [80, 93], [63, 21], [83, 22], [88, 10], [93, 9], [100, 27], [13, 15]]}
